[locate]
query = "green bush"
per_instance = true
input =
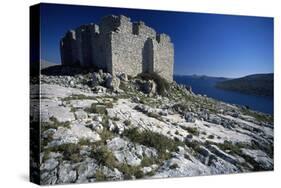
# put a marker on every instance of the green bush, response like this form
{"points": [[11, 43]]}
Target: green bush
{"points": [[51, 125], [181, 107], [162, 86], [84, 141], [97, 109], [127, 122], [195, 145], [104, 157], [70, 151], [106, 134], [154, 115], [147, 161], [211, 136], [100, 176], [115, 118], [78, 97], [192, 130], [130, 171], [57, 124], [148, 138]]}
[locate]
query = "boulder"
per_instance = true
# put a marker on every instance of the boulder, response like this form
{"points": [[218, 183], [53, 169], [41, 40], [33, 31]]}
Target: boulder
{"points": [[113, 83], [49, 177], [149, 87], [128, 152], [214, 119], [66, 173], [81, 114], [76, 132], [189, 117], [99, 89], [225, 156], [97, 79], [49, 165], [123, 77], [96, 126]]}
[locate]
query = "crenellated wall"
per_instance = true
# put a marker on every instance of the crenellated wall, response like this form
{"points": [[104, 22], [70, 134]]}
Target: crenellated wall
{"points": [[119, 46]]}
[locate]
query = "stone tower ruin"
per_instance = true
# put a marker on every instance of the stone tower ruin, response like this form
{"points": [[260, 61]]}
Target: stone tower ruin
{"points": [[118, 45]]}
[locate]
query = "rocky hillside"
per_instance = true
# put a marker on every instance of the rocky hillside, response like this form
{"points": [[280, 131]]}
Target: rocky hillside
{"points": [[95, 127]]}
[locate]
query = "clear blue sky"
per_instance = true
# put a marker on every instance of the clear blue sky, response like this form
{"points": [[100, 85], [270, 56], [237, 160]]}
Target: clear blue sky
{"points": [[205, 44]]}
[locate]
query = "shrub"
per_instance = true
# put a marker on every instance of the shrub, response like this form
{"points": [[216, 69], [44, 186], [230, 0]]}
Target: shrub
{"points": [[127, 122], [147, 161], [57, 124], [70, 151], [163, 87], [195, 145], [105, 120], [148, 138], [106, 134], [104, 157], [84, 141], [78, 97], [130, 171], [211, 136], [181, 108], [192, 130], [100, 176], [97, 108], [108, 105], [53, 125], [115, 118], [154, 115], [258, 116]]}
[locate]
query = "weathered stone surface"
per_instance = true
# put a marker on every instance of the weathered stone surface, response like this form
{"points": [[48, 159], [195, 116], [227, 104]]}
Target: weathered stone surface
{"points": [[76, 132], [62, 114], [127, 152], [222, 154], [82, 104], [222, 139], [99, 89], [189, 117], [49, 177], [66, 173], [86, 170], [49, 165], [260, 157], [81, 114]]}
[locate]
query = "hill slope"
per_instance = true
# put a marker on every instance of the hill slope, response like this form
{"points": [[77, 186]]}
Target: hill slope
{"points": [[97, 127], [256, 84]]}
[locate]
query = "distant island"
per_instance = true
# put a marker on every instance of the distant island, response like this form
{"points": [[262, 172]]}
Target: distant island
{"points": [[256, 84]]}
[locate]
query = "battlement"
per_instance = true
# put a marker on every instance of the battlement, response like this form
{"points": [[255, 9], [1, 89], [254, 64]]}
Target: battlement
{"points": [[118, 45], [139, 28], [114, 23], [71, 34], [163, 38]]}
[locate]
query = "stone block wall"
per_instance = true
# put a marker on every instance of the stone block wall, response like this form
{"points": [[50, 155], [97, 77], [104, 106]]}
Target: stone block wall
{"points": [[163, 55], [119, 46]]}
